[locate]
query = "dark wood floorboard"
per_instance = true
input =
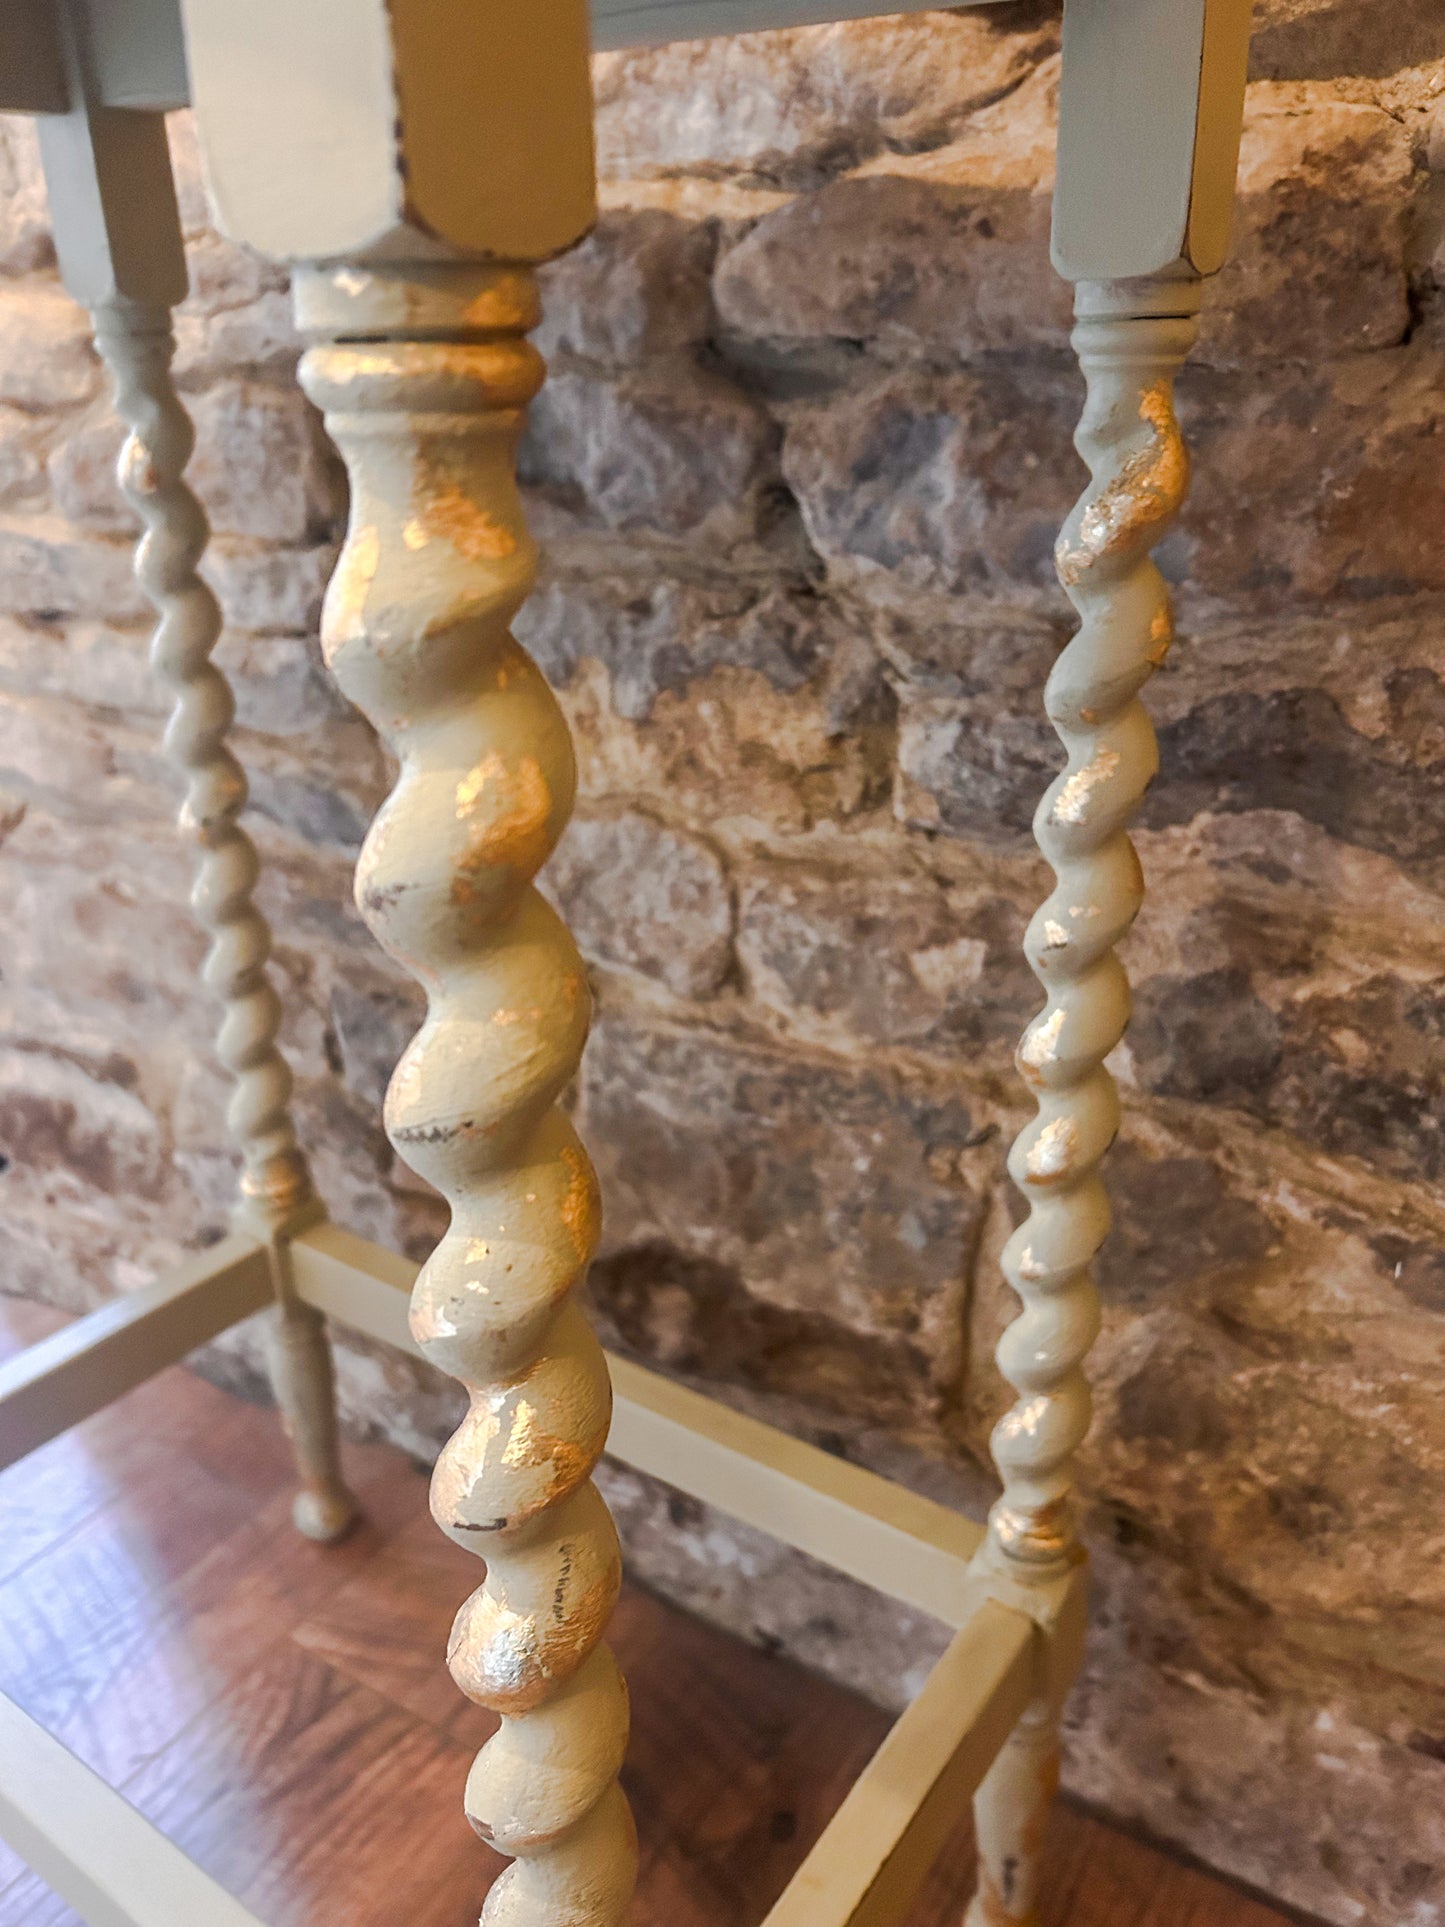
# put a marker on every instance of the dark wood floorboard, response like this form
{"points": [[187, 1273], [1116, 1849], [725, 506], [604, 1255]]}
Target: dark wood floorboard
{"points": [[281, 1710]]}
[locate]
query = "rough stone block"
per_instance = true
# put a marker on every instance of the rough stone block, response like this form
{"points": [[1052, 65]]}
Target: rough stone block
{"points": [[1319, 255], [670, 449], [809, 98], [1323, 39], [373, 1019], [914, 259], [760, 708], [270, 590], [1311, 483], [261, 465], [638, 285], [46, 356], [943, 481], [889, 955], [1318, 485], [811, 1217], [946, 253], [642, 897], [281, 687], [658, 635], [323, 785], [60, 1114], [255, 337], [47, 572], [223, 275], [25, 242], [972, 768], [88, 662], [22, 460], [82, 471]]}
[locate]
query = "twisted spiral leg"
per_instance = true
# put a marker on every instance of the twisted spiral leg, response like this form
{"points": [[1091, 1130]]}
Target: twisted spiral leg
{"points": [[1131, 441], [1131, 339], [136, 344], [423, 375]]}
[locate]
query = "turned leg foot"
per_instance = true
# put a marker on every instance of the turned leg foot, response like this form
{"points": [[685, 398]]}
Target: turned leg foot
{"points": [[304, 1383], [1011, 1815]]}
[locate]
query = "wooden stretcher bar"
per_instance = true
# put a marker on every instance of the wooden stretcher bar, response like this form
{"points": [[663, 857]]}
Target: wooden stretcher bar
{"points": [[99, 1854], [76, 1372], [91, 1846], [873, 1856], [912, 1549]]}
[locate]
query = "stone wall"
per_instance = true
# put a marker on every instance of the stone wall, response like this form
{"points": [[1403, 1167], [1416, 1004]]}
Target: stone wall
{"points": [[799, 467]]}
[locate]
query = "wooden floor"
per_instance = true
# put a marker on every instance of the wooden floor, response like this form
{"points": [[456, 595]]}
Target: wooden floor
{"points": [[282, 1710]]}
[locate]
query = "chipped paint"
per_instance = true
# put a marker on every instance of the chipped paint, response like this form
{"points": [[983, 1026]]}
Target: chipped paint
{"points": [[276, 1194], [1141, 492], [507, 811], [1071, 805], [345, 614], [1040, 1046], [1138, 475], [447, 512], [422, 424]]}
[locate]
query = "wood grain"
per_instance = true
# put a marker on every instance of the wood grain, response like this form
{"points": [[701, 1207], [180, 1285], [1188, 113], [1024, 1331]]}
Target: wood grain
{"points": [[282, 1711]]}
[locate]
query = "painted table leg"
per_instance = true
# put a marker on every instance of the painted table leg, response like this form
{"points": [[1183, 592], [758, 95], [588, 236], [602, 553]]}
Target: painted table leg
{"points": [[1151, 106], [136, 343], [1136, 456], [1131, 441], [423, 374]]}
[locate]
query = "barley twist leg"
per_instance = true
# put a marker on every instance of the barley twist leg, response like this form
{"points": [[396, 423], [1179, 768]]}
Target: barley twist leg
{"points": [[1131, 339], [136, 343], [423, 375]]}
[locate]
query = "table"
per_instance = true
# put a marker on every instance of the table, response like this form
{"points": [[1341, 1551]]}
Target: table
{"points": [[414, 160]]}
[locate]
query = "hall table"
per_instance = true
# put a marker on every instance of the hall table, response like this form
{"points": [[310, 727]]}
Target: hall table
{"points": [[414, 160]]}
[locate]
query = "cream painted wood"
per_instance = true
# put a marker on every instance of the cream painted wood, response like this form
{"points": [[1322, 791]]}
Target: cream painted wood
{"points": [[1131, 441], [119, 243], [431, 137], [422, 374], [415, 126], [873, 1856], [1139, 472], [53, 1385], [91, 1846], [137, 57], [1015, 1800], [910, 1548], [136, 345], [1151, 108], [135, 54]]}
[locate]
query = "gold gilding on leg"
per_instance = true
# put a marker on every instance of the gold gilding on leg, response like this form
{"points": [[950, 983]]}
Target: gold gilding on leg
{"points": [[423, 375], [1130, 342]]}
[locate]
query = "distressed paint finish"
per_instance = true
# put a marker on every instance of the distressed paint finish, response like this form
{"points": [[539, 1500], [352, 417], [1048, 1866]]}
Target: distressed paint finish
{"points": [[423, 374], [1139, 467], [276, 1196], [1131, 339], [1011, 1817]]}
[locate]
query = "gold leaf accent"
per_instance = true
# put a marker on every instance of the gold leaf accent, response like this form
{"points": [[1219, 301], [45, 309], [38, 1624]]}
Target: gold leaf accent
{"points": [[350, 586], [1146, 491], [508, 812], [580, 1203], [1072, 803], [448, 511]]}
